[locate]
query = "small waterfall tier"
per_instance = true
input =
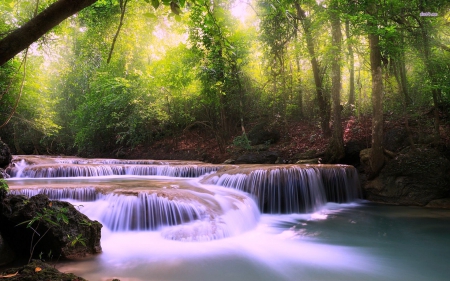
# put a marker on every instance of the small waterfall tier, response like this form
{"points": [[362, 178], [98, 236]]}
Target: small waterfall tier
{"points": [[43, 167], [182, 214], [292, 189], [86, 194], [127, 211]]}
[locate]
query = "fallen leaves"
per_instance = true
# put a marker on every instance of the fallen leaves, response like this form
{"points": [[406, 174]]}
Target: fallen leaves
{"points": [[9, 275]]}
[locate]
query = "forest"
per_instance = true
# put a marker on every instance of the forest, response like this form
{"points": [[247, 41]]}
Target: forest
{"points": [[119, 119], [123, 77]]}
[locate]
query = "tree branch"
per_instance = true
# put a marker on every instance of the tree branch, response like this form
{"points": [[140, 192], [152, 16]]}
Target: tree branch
{"points": [[123, 6], [24, 36]]}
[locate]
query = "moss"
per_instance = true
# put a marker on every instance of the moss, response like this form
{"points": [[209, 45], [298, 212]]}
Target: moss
{"points": [[38, 271]]}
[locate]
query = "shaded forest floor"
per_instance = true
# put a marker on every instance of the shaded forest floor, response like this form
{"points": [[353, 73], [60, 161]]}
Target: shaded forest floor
{"points": [[298, 137]]}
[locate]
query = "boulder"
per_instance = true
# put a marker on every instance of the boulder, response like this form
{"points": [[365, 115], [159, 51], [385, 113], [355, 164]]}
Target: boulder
{"points": [[5, 155], [58, 228], [37, 271], [6, 254], [439, 203], [262, 157], [413, 177], [229, 161], [352, 151]]}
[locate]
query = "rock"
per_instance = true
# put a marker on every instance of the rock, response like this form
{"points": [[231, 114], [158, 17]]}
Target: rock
{"points": [[3, 174], [352, 151], [309, 161], [5, 155], [414, 177], [229, 161], [260, 135], [6, 254], [439, 203], [77, 238], [262, 157], [38, 271]]}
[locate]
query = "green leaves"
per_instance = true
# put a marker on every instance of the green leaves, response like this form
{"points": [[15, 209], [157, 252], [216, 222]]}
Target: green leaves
{"points": [[51, 215], [155, 4], [175, 8]]}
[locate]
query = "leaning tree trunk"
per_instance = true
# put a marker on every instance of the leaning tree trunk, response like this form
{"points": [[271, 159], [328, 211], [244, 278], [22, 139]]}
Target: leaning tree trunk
{"points": [[24, 36]]}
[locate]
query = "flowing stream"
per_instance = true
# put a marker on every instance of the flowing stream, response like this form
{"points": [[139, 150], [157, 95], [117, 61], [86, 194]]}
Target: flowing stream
{"points": [[178, 220]]}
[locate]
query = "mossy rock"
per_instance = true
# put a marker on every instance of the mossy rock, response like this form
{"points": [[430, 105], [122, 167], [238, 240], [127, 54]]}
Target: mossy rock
{"points": [[5, 155], [414, 177], [58, 237], [37, 271]]}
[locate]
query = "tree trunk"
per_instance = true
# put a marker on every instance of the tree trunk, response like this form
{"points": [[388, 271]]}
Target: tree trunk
{"points": [[335, 151], [432, 76], [402, 72], [324, 107], [351, 61], [299, 86], [24, 36], [376, 153]]}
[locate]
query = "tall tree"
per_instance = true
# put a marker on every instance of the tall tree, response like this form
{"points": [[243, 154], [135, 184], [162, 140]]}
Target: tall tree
{"points": [[321, 95], [336, 146], [377, 152], [220, 52], [351, 62]]}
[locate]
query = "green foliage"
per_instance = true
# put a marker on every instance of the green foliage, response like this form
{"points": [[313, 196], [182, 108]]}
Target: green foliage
{"points": [[77, 240], [159, 81], [4, 188], [242, 142], [52, 215]]}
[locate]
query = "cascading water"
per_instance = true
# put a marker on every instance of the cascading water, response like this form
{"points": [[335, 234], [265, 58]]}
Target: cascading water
{"points": [[148, 207], [97, 170], [295, 189], [125, 197]]}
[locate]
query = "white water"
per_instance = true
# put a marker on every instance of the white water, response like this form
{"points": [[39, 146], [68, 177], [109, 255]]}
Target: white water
{"points": [[341, 242], [228, 239]]}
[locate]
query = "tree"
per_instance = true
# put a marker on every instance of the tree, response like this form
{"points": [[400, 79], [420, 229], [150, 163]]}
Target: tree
{"points": [[322, 99], [24, 36], [336, 148], [221, 52], [278, 31], [377, 151], [21, 38]]}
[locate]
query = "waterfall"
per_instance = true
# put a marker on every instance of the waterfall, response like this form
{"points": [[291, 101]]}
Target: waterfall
{"points": [[85, 194], [295, 189], [97, 170], [146, 212], [220, 201]]}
